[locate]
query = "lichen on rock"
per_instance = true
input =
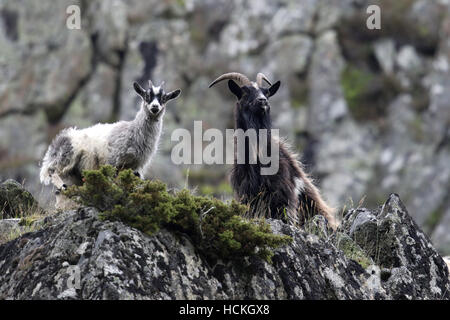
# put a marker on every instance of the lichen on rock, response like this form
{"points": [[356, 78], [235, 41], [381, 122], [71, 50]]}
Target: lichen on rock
{"points": [[78, 254]]}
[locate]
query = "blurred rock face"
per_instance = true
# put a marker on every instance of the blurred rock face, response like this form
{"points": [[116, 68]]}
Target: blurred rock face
{"points": [[368, 110]]}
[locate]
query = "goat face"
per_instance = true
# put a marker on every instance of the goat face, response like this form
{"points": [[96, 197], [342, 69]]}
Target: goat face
{"points": [[155, 98], [253, 104], [253, 99]]}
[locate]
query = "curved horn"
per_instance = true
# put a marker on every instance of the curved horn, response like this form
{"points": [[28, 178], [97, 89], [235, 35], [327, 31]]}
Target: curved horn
{"points": [[243, 80], [162, 84], [150, 84], [259, 79]]}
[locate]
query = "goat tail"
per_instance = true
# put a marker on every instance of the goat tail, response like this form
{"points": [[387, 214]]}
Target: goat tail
{"points": [[312, 203]]}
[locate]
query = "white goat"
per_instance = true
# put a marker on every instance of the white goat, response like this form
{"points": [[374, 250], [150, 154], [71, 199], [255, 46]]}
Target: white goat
{"points": [[124, 144]]}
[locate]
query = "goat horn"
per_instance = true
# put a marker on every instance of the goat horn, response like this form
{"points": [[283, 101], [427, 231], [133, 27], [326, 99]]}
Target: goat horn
{"points": [[150, 84], [243, 80], [162, 84], [259, 79]]}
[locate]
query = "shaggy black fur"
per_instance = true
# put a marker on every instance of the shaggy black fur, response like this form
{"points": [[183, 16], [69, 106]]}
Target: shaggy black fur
{"points": [[271, 196]]}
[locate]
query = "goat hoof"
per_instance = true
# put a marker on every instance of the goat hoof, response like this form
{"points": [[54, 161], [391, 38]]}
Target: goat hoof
{"points": [[57, 192], [64, 186], [137, 174]]}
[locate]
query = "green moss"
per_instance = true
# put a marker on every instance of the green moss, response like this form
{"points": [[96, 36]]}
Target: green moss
{"points": [[355, 84], [352, 251], [368, 94], [217, 229]]}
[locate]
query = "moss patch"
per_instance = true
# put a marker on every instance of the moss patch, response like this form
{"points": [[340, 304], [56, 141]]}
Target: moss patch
{"points": [[317, 225], [368, 94], [352, 251], [355, 84], [217, 229]]}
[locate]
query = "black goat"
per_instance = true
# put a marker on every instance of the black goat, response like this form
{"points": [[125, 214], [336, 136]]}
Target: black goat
{"points": [[289, 194]]}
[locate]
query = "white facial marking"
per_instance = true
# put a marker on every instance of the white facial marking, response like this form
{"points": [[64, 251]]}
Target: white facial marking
{"points": [[260, 95], [156, 90], [155, 103]]}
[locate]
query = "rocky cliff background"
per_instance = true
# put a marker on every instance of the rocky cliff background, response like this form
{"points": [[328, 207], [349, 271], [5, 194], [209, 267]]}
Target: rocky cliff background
{"points": [[368, 110]]}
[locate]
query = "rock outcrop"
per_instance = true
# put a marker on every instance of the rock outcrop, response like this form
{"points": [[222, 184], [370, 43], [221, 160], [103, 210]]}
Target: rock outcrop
{"points": [[77, 256]]}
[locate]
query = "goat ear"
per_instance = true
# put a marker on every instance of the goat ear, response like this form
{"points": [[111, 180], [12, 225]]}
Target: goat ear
{"points": [[140, 91], [235, 89], [173, 94], [274, 88]]}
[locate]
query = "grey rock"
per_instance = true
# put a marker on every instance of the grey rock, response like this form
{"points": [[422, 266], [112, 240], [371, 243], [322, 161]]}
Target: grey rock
{"points": [[294, 17], [328, 14], [327, 103], [78, 256], [22, 144], [385, 54], [108, 21], [295, 48], [405, 254], [346, 157], [118, 262], [95, 102], [44, 65], [408, 60]]}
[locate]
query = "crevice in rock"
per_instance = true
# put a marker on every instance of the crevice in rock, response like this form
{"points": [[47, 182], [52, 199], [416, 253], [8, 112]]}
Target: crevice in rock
{"points": [[149, 52], [57, 111], [115, 113], [10, 23]]}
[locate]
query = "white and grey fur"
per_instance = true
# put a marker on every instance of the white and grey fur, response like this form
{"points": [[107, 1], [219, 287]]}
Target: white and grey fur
{"points": [[124, 144]]}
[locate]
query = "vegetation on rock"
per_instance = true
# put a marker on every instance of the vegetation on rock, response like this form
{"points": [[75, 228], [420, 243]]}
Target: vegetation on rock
{"points": [[15, 201], [218, 229]]}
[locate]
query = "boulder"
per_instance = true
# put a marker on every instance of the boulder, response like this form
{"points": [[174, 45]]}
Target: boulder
{"points": [[78, 256], [15, 201], [411, 267]]}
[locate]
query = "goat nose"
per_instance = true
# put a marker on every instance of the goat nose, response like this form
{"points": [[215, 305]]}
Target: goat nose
{"points": [[154, 109], [262, 100]]}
